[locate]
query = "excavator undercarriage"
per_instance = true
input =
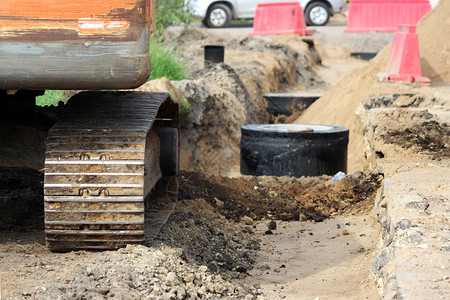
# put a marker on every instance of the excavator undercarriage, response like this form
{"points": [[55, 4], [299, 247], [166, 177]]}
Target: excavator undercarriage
{"points": [[111, 159], [110, 170]]}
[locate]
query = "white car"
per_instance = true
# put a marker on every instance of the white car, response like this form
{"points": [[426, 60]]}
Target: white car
{"points": [[219, 13]]}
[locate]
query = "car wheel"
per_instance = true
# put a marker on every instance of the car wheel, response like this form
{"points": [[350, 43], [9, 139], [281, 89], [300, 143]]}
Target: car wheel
{"points": [[219, 15], [317, 14]]}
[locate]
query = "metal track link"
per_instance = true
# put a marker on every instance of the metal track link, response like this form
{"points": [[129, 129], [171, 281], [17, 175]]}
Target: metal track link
{"points": [[102, 164]]}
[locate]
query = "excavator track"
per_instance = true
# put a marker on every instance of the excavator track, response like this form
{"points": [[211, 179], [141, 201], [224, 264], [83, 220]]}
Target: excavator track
{"points": [[110, 170]]}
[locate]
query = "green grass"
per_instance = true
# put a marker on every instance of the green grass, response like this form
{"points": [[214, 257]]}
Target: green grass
{"points": [[170, 12], [51, 97], [164, 63]]}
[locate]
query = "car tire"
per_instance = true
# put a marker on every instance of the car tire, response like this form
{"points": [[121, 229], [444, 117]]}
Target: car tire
{"points": [[218, 16], [317, 14]]}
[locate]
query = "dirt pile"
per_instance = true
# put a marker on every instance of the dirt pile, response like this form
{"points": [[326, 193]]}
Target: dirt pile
{"points": [[208, 239], [341, 105], [134, 272], [434, 43], [283, 198]]}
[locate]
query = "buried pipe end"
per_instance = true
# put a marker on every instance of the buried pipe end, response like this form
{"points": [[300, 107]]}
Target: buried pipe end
{"points": [[214, 54], [293, 149]]}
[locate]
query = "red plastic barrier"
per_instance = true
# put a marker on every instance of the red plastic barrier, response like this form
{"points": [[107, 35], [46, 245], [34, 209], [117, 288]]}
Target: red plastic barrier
{"points": [[384, 15], [279, 18], [404, 59]]}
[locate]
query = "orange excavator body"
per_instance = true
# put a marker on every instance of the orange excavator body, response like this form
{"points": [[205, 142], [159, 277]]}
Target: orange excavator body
{"points": [[74, 44]]}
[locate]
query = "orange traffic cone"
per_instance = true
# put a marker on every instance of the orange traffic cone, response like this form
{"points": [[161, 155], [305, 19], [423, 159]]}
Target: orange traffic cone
{"points": [[404, 59]]}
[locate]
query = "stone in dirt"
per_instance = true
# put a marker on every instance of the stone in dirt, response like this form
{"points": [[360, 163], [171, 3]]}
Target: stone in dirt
{"points": [[272, 225]]}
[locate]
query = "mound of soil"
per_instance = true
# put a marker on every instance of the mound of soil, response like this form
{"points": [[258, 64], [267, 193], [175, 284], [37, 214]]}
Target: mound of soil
{"points": [[283, 198], [207, 239], [341, 105], [434, 43], [428, 137]]}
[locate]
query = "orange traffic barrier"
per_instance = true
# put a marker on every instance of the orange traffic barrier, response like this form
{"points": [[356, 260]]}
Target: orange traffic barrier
{"points": [[404, 59], [279, 18], [384, 15]]}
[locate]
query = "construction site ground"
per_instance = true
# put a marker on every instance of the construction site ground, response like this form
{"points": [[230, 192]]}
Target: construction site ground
{"points": [[380, 232]]}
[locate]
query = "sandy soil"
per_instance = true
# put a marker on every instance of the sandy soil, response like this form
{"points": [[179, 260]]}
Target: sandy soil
{"points": [[327, 260]]}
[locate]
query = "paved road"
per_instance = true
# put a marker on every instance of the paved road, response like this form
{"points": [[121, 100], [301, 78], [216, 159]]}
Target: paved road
{"points": [[333, 33]]}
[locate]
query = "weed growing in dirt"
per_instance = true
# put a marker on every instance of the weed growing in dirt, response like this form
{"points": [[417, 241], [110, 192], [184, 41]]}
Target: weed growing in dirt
{"points": [[164, 63], [51, 97], [185, 107], [430, 137]]}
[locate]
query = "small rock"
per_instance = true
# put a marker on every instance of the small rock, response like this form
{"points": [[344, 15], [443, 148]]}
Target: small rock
{"points": [[248, 220], [404, 101], [201, 291], [247, 229], [303, 218], [190, 286], [188, 278], [213, 267], [403, 224], [434, 285], [180, 292], [282, 296], [272, 225], [219, 203], [419, 205], [203, 268], [268, 232], [345, 232], [172, 279]]}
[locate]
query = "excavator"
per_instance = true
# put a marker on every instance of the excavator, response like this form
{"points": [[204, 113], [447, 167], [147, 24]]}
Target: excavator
{"points": [[112, 158]]}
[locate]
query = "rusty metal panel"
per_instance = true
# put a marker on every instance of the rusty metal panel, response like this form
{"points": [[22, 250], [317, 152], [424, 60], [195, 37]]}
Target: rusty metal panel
{"points": [[74, 44]]}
